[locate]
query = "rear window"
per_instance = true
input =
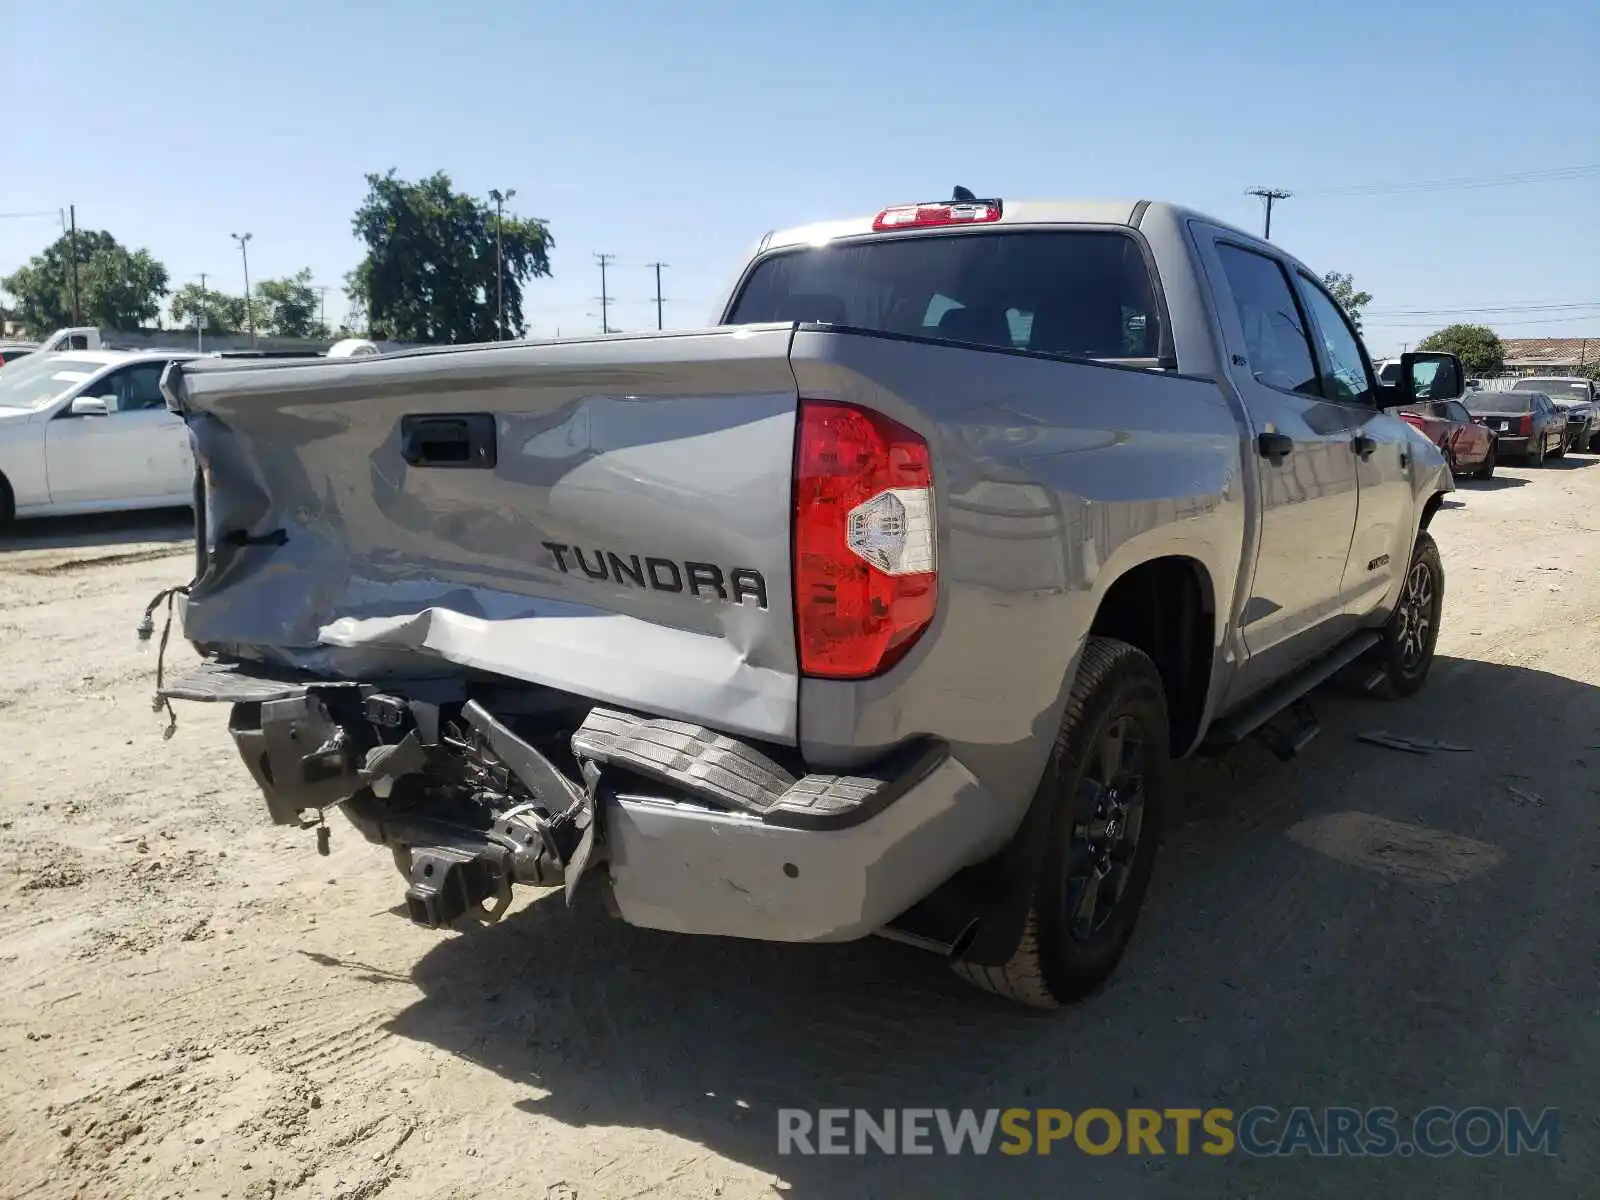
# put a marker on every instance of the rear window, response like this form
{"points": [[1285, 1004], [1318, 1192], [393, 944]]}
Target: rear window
{"points": [[1087, 294], [1500, 402], [1565, 390]]}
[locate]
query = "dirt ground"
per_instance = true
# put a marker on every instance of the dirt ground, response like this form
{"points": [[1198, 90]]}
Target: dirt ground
{"points": [[193, 1003]]}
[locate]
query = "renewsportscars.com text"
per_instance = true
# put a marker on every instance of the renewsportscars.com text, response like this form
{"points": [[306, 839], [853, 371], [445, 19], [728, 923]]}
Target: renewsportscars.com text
{"points": [[1261, 1131]]}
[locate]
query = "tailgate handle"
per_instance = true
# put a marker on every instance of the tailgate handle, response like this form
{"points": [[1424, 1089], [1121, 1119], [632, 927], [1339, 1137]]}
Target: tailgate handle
{"points": [[464, 441]]}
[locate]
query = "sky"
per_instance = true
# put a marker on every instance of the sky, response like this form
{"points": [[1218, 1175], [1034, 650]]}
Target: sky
{"points": [[681, 132]]}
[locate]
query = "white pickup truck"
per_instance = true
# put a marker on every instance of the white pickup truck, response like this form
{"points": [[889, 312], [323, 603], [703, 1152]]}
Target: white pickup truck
{"points": [[882, 607]]}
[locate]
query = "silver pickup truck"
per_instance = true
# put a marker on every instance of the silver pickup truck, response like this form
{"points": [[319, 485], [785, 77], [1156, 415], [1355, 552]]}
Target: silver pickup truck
{"points": [[883, 606]]}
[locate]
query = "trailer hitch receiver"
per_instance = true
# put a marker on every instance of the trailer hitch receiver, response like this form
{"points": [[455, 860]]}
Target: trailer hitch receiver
{"points": [[448, 882]]}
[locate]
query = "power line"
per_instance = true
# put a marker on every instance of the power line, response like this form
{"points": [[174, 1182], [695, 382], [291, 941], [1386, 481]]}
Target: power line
{"points": [[605, 296], [77, 317], [1484, 308], [1269, 195], [11, 216], [249, 304], [660, 322], [1592, 317], [499, 199], [1462, 183]]}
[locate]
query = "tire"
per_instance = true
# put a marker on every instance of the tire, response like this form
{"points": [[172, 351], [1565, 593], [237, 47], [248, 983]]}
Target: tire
{"points": [[1117, 689], [1536, 458], [8, 504], [1486, 471], [1406, 652]]}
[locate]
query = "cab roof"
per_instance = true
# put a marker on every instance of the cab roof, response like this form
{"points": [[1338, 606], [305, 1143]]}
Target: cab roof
{"points": [[1132, 213]]}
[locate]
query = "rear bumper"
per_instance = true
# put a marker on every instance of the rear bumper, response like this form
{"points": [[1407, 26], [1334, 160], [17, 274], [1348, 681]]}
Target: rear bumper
{"points": [[691, 870], [697, 832], [1511, 445]]}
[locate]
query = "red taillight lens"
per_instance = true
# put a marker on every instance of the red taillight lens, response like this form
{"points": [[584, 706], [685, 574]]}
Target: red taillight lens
{"points": [[865, 573], [924, 216], [1525, 426]]}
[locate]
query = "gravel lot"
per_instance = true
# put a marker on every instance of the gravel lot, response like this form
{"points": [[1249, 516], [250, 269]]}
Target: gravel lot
{"points": [[195, 1003]]}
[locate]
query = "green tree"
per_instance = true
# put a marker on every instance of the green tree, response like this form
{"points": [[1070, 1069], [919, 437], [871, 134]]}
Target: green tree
{"points": [[1343, 289], [429, 270], [288, 307], [224, 313], [1477, 346], [118, 288]]}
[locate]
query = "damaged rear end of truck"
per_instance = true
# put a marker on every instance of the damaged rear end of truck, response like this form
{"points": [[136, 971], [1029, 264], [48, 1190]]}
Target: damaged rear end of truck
{"points": [[539, 614]]}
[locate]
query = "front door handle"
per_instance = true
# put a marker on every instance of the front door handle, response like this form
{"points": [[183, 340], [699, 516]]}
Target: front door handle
{"points": [[1274, 447], [1363, 445]]}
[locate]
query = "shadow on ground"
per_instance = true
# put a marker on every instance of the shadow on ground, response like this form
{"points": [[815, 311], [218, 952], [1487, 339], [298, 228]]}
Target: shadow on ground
{"points": [[1276, 965], [1568, 462], [99, 530]]}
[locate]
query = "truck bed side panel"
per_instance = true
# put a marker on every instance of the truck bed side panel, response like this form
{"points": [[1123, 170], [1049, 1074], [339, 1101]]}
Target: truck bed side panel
{"points": [[651, 455], [1053, 478]]}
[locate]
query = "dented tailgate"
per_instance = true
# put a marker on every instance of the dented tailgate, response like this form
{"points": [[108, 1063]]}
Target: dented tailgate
{"points": [[608, 517]]}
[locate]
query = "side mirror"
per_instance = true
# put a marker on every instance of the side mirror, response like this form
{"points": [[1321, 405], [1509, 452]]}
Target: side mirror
{"points": [[1430, 375], [90, 406]]}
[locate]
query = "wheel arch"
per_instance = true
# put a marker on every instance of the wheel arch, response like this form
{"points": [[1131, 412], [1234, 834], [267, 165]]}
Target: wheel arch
{"points": [[1167, 607], [1433, 504]]}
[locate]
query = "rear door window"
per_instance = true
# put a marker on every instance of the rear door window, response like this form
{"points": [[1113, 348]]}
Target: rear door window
{"points": [[1499, 402], [1274, 331], [1080, 293]]}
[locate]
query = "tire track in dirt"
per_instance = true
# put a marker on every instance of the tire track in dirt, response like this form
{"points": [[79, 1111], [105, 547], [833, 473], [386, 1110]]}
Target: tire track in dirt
{"points": [[68, 566]]}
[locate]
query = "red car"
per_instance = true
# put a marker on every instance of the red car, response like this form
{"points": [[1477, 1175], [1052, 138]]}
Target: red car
{"points": [[1467, 445]]}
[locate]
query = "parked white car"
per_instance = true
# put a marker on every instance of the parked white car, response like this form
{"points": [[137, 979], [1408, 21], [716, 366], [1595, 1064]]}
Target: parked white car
{"points": [[89, 431]]}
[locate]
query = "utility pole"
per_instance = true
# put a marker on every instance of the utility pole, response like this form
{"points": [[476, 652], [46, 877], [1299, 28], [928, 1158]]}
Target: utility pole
{"points": [[658, 266], [605, 297], [249, 308], [322, 314], [201, 317], [1269, 195], [77, 313], [499, 199]]}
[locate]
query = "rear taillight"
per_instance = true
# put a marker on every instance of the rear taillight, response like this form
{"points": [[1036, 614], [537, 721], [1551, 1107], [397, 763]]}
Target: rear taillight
{"points": [[1525, 426], [865, 575], [926, 216]]}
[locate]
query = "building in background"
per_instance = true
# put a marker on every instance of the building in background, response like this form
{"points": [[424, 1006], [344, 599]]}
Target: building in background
{"points": [[1550, 356]]}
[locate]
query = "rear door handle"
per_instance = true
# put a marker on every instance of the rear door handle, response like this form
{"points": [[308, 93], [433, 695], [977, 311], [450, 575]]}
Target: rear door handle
{"points": [[1274, 447], [1363, 445], [463, 441]]}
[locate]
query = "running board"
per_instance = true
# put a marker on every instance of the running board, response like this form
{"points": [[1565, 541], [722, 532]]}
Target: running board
{"points": [[1288, 694]]}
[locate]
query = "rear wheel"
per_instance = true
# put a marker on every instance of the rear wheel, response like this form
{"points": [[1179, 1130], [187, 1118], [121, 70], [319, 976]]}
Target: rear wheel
{"points": [[1106, 786], [1406, 652], [1536, 453]]}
